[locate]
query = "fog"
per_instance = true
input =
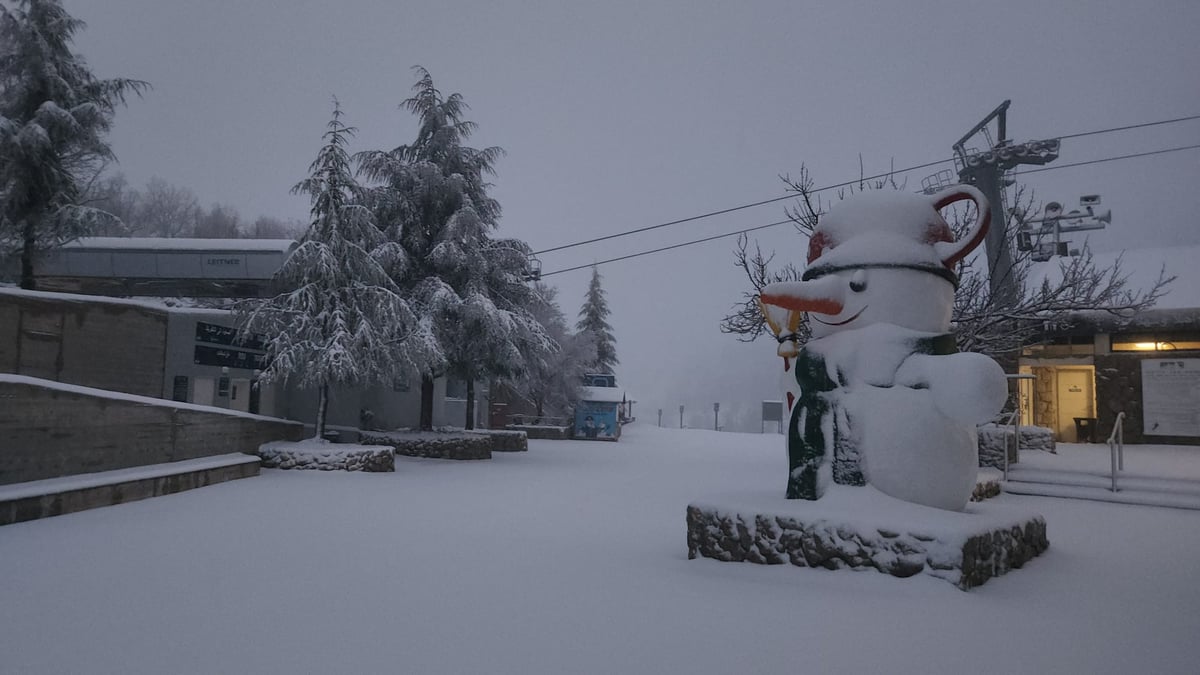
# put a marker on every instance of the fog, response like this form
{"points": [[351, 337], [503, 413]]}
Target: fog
{"points": [[620, 115]]}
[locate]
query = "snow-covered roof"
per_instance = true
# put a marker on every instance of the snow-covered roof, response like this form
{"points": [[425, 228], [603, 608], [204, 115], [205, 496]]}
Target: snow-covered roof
{"points": [[1142, 267], [157, 304], [181, 244], [602, 394]]}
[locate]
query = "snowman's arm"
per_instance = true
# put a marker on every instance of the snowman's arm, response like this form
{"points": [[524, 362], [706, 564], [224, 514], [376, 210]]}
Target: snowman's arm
{"points": [[967, 387]]}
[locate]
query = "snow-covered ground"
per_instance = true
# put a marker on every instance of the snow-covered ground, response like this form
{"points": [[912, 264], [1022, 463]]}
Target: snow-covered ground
{"points": [[1149, 461], [570, 558]]}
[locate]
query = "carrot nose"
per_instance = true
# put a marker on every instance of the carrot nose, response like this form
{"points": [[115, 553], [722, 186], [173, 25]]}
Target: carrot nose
{"points": [[823, 296]]}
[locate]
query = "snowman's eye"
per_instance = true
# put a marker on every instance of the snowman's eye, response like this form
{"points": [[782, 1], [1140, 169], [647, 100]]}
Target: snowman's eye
{"points": [[858, 282]]}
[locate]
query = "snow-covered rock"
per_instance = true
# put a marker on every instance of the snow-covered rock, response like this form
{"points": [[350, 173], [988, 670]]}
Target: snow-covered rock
{"points": [[322, 455]]}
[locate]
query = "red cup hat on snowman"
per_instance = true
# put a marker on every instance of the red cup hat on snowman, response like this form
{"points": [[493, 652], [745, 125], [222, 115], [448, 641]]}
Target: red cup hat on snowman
{"points": [[895, 230]]}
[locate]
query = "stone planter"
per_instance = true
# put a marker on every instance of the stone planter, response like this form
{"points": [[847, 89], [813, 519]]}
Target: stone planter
{"points": [[325, 456], [432, 444], [505, 440], [995, 439], [542, 431]]}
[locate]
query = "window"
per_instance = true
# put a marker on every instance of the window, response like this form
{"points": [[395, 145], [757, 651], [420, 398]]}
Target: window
{"points": [[1156, 342]]}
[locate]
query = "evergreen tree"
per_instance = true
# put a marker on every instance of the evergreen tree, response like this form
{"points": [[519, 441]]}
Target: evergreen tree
{"points": [[53, 117], [553, 378], [343, 321], [433, 205], [593, 320]]}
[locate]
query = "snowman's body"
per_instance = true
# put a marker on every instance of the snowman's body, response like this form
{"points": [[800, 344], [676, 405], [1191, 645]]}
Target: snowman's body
{"points": [[895, 407]]}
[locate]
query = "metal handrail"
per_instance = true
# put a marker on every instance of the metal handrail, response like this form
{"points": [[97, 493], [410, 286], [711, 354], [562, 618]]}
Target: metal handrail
{"points": [[1014, 421], [1116, 448]]}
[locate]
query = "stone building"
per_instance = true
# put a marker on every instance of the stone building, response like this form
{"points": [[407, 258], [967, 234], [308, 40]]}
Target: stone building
{"points": [[1146, 365]]}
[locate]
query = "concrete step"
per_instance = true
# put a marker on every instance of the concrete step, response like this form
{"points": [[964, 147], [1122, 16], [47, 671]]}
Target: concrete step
{"points": [[1174, 500], [1125, 480], [55, 496]]}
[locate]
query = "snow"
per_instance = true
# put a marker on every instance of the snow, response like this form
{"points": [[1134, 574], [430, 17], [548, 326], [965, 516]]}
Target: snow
{"points": [[602, 394], [156, 304], [1141, 461], [887, 227], [569, 558], [181, 244], [134, 398]]}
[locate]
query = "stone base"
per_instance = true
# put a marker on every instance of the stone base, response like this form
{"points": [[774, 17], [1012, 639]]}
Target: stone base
{"points": [[433, 444], [326, 456], [863, 529]]}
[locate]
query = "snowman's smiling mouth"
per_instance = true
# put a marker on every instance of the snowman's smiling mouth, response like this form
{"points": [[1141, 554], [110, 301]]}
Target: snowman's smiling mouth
{"points": [[840, 323]]}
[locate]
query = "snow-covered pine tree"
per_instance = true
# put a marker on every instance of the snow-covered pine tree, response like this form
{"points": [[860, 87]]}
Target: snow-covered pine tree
{"points": [[593, 320], [553, 378], [342, 320], [432, 203], [53, 117], [493, 333]]}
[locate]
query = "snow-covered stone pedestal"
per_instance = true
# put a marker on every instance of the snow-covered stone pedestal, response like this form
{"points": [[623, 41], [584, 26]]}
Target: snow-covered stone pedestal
{"points": [[320, 455], [863, 529], [433, 444]]}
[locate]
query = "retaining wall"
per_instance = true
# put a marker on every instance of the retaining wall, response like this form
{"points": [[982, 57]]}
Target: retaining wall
{"points": [[49, 430]]}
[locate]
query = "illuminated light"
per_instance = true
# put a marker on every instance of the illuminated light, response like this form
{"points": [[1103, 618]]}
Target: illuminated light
{"points": [[1145, 346]]}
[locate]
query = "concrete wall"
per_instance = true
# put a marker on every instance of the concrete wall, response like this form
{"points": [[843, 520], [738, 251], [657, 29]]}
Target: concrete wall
{"points": [[46, 432], [113, 346], [391, 409]]}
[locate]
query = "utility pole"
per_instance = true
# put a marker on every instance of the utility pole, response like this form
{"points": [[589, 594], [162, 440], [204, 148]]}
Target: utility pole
{"points": [[985, 170], [660, 417], [716, 416], [680, 417]]}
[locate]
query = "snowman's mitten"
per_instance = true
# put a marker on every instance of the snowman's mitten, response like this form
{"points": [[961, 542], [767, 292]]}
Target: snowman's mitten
{"points": [[966, 387]]}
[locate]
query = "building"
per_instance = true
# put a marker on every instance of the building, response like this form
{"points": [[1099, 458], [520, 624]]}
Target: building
{"points": [[156, 346], [1147, 365]]}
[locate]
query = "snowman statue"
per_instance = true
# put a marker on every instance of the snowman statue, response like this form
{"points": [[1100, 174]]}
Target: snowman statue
{"points": [[881, 396]]}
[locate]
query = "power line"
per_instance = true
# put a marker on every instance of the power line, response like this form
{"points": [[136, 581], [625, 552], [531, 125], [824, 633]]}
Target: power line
{"points": [[1108, 159], [784, 222], [739, 208], [845, 184], [668, 248], [1128, 127]]}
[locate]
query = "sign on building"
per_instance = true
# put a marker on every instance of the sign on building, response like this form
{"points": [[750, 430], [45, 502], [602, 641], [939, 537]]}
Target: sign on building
{"points": [[1171, 397], [772, 411]]}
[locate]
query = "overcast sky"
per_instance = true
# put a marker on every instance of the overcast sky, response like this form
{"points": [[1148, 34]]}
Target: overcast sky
{"points": [[617, 115]]}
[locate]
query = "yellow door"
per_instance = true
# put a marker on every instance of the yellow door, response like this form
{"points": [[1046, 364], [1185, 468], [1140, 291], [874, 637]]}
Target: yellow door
{"points": [[1076, 398]]}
